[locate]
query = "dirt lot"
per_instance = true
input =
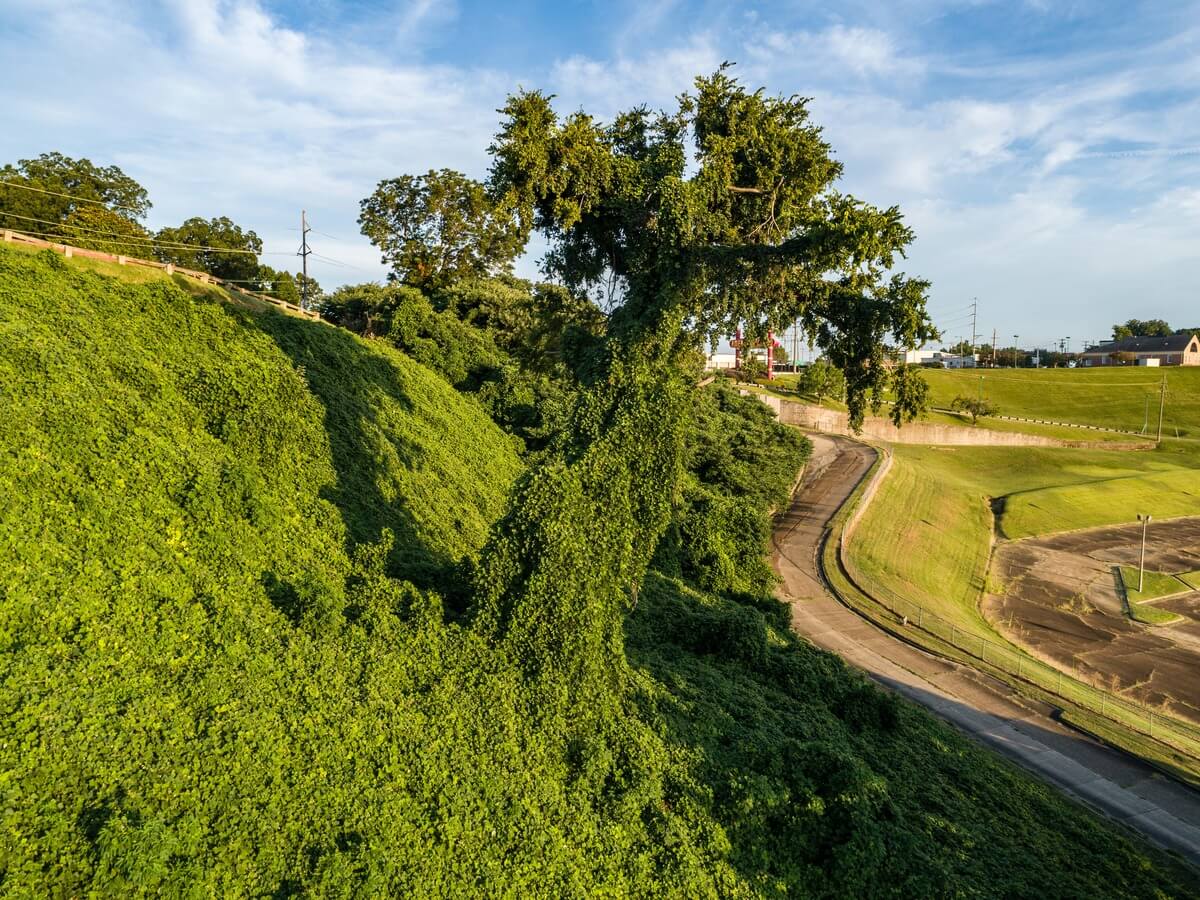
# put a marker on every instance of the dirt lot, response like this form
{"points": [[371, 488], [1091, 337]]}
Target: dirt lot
{"points": [[1061, 599]]}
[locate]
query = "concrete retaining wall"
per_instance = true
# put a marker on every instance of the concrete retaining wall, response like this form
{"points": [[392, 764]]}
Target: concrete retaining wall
{"points": [[817, 418]]}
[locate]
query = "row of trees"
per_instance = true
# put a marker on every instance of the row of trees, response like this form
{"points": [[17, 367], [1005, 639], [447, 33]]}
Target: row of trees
{"points": [[1148, 328], [102, 208]]}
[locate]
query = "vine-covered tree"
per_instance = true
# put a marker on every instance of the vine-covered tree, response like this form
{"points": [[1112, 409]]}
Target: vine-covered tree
{"points": [[49, 189], [440, 227], [722, 212], [218, 246]]}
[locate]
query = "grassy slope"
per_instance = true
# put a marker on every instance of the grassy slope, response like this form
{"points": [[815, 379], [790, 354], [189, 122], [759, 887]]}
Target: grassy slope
{"points": [[211, 685], [784, 386], [1109, 397]]}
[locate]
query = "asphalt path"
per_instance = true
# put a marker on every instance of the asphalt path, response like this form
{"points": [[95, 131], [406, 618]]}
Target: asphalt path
{"points": [[1110, 781]]}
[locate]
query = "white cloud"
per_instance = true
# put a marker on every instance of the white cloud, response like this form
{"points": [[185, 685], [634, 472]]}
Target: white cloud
{"points": [[220, 110], [865, 50], [1055, 188]]}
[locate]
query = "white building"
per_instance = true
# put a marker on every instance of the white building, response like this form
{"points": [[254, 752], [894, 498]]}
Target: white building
{"points": [[720, 361], [941, 358], [966, 361]]}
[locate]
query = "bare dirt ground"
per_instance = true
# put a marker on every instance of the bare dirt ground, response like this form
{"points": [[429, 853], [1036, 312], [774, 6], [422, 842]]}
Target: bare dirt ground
{"points": [[1060, 597]]}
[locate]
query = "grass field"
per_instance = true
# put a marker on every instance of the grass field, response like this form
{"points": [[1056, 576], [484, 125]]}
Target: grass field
{"points": [[1154, 585], [1108, 397]]}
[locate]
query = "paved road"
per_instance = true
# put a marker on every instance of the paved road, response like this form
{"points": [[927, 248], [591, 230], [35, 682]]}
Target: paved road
{"points": [[1116, 784]]}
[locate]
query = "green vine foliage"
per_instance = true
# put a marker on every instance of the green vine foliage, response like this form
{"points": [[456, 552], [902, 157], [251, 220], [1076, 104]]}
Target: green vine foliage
{"points": [[231, 546], [757, 234]]}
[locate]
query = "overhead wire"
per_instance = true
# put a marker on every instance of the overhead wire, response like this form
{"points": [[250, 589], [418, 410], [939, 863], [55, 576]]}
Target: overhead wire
{"points": [[149, 240], [127, 241], [124, 238], [8, 182]]}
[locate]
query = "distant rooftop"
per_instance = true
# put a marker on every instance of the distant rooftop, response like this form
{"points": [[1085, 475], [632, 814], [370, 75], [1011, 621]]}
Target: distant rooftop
{"points": [[1172, 343]]}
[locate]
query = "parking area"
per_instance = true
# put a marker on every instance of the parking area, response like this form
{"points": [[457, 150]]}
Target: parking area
{"points": [[1060, 597]]}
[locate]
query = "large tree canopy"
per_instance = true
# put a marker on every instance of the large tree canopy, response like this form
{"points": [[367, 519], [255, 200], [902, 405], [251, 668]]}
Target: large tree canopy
{"points": [[49, 189], [440, 227], [753, 233], [218, 246], [687, 224]]}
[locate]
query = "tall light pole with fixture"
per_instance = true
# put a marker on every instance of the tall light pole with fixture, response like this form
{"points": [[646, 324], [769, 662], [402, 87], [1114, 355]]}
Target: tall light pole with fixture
{"points": [[1145, 520]]}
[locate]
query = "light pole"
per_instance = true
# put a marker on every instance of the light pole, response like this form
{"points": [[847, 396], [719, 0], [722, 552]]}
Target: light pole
{"points": [[1016, 351], [1145, 520]]}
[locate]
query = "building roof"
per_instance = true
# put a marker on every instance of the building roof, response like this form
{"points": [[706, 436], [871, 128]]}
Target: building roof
{"points": [[1172, 343]]}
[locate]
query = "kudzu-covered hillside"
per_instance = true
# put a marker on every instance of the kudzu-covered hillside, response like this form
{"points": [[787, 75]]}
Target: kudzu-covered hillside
{"points": [[238, 654]]}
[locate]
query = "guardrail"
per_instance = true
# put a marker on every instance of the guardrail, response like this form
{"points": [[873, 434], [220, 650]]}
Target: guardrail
{"points": [[16, 237], [1076, 688]]}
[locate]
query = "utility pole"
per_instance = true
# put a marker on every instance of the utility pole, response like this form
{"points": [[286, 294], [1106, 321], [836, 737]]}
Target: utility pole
{"points": [[1145, 520], [303, 254], [1162, 400], [974, 312], [993, 348], [1016, 350]]}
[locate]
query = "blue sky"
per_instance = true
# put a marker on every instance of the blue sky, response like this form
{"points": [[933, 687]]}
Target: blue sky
{"points": [[1047, 154]]}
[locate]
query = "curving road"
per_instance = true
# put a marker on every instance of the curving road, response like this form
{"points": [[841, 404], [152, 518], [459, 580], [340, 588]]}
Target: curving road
{"points": [[1110, 781]]}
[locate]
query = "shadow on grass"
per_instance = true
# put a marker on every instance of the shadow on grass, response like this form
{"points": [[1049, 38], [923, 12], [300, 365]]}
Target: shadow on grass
{"points": [[352, 384]]}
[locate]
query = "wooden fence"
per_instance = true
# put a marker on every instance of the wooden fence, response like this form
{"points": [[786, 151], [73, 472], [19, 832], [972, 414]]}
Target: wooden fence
{"points": [[11, 237]]}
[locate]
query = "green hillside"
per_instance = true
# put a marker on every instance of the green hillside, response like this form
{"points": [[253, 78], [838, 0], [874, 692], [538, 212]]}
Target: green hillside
{"points": [[1108, 397], [238, 658]]}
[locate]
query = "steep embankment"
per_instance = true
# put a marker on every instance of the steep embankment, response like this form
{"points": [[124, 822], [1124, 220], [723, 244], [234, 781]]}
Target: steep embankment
{"points": [[232, 550]]}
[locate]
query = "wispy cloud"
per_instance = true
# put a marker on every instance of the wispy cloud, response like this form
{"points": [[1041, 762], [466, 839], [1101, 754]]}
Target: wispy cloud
{"points": [[1052, 177]]}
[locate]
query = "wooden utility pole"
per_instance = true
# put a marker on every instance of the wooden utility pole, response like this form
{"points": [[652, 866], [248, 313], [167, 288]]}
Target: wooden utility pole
{"points": [[303, 254], [993, 348]]}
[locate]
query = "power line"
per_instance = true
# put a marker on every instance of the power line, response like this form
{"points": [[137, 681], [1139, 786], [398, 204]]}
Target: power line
{"points": [[127, 241], [338, 262], [125, 238], [26, 187]]}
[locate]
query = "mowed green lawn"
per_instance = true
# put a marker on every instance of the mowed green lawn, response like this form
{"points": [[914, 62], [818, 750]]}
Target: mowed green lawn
{"points": [[1154, 585], [1108, 397], [927, 533]]}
